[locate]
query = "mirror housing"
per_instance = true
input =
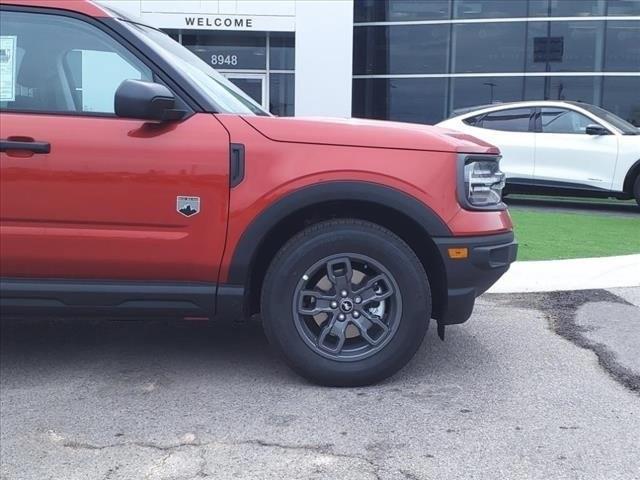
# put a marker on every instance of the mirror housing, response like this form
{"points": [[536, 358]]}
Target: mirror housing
{"points": [[142, 100], [595, 129]]}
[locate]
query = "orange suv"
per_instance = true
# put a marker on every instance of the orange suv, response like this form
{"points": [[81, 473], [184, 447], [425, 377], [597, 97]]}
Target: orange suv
{"points": [[138, 182]]}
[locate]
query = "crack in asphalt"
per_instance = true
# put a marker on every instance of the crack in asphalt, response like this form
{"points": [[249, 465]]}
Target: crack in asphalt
{"points": [[323, 449], [560, 309]]}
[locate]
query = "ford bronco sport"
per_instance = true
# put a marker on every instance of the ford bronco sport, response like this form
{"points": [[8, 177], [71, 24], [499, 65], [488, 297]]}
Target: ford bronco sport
{"points": [[138, 182]]}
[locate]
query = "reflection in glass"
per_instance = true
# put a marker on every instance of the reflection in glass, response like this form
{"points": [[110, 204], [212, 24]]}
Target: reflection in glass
{"points": [[415, 100], [489, 8], [565, 8], [621, 95], [623, 46], [564, 46], [470, 92], [485, 47], [561, 120], [400, 10], [579, 89], [401, 49], [511, 120], [489, 47], [623, 7]]}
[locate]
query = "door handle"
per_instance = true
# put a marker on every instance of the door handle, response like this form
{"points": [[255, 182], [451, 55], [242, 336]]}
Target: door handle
{"points": [[24, 145]]}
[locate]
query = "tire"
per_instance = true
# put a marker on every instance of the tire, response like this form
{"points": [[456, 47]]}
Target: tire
{"points": [[636, 190], [386, 309]]}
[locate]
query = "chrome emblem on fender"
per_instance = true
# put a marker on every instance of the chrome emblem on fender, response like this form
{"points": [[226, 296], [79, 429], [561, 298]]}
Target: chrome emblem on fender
{"points": [[188, 206]]}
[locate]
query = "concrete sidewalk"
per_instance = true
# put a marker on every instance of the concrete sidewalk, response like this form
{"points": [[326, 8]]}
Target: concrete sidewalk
{"points": [[574, 274]]}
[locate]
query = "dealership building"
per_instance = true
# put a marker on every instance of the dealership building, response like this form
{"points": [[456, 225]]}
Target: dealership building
{"points": [[411, 60]]}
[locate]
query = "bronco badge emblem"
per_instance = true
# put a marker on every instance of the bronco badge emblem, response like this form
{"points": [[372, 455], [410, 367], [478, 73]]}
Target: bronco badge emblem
{"points": [[188, 206]]}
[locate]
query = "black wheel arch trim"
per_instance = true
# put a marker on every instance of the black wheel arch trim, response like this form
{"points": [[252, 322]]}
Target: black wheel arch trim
{"points": [[630, 178], [253, 237]]}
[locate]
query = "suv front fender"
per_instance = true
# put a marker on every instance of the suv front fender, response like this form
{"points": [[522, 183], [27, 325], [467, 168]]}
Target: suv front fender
{"points": [[322, 193]]}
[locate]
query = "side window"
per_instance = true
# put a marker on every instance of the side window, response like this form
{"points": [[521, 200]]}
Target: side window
{"points": [[512, 120], [62, 65], [561, 120]]}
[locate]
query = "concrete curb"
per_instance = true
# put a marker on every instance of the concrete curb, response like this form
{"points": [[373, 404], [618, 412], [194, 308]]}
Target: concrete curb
{"points": [[574, 274]]}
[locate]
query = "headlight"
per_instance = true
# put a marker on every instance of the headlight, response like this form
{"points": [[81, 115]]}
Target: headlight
{"points": [[481, 183]]}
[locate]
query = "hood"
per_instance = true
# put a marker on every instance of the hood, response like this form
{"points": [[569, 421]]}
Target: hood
{"points": [[368, 133]]}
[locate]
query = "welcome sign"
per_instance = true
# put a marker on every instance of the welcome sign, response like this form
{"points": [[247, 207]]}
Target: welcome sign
{"points": [[185, 21]]}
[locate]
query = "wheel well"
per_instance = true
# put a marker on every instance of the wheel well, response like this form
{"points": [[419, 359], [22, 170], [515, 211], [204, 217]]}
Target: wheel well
{"points": [[402, 225], [630, 179]]}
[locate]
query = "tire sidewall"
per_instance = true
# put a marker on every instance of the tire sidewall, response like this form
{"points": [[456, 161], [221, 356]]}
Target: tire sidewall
{"points": [[305, 251]]}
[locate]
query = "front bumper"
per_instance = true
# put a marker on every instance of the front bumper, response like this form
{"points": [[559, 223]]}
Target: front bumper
{"points": [[488, 259]]}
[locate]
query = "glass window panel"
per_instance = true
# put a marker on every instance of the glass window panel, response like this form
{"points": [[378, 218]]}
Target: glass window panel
{"points": [[399, 10], [566, 8], [534, 88], [282, 51], [623, 46], [621, 95], [539, 8], [565, 46], [511, 120], [65, 65], [282, 94], [580, 8], [489, 47], [401, 49], [623, 7], [579, 89], [415, 100], [470, 92], [489, 8], [228, 50], [96, 75], [561, 120], [251, 86]]}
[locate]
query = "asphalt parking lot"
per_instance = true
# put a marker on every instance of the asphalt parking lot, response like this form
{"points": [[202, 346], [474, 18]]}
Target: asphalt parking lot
{"points": [[534, 386]]}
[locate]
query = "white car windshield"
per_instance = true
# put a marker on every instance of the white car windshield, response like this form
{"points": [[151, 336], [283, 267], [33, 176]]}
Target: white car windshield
{"points": [[224, 93], [625, 127]]}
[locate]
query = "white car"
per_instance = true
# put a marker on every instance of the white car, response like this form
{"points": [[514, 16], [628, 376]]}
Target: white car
{"points": [[559, 147]]}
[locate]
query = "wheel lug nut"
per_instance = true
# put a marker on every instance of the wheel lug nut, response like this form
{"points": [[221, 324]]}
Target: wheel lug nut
{"points": [[334, 304], [358, 300], [344, 293], [356, 314], [341, 317]]}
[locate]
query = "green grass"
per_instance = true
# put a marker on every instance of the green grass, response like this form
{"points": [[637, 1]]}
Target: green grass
{"points": [[551, 236]]}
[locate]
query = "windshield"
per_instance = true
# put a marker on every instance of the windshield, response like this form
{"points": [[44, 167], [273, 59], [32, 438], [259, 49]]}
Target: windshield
{"points": [[625, 127], [225, 94]]}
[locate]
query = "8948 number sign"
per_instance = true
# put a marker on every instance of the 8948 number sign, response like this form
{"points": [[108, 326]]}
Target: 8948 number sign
{"points": [[224, 60]]}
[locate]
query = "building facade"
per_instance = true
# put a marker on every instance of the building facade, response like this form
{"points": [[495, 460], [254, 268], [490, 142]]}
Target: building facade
{"points": [[412, 60], [291, 56]]}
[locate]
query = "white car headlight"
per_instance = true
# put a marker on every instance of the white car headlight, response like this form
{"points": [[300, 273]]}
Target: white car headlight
{"points": [[481, 183]]}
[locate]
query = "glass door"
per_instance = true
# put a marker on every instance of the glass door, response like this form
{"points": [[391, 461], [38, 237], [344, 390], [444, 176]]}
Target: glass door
{"points": [[253, 84]]}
